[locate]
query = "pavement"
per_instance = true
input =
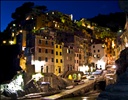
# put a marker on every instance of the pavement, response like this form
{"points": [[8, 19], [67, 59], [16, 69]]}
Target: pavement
{"points": [[67, 92]]}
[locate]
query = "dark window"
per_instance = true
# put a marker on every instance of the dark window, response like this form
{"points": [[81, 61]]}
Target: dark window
{"points": [[39, 58], [94, 51], [93, 46], [60, 53], [61, 60], [40, 41], [56, 60], [56, 46], [46, 50], [60, 47], [46, 42], [56, 53], [52, 51], [98, 50], [46, 59], [39, 50], [52, 43], [52, 59]]}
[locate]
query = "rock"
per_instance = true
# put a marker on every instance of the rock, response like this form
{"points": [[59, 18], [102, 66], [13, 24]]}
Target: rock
{"points": [[118, 90]]}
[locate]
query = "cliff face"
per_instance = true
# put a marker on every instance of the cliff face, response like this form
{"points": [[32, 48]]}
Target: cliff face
{"points": [[119, 90]]}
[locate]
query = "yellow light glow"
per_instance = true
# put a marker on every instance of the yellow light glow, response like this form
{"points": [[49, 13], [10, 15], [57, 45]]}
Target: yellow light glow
{"points": [[4, 42], [70, 77], [12, 34], [21, 31], [126, 45], [11, 42]]}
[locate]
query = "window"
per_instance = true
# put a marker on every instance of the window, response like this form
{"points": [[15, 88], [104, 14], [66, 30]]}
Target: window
{"points": [[68, 51], [94, 56], [46, 50], [56, 46], [93, 46], [56, 53], [52, 51], [39, 50], [94, 51], [60, 53], [52, 43], [46, 59], [98, 50], [52, 59], [98, 55], [40, 41], [39, 58], [79, 56], [61, 61], [60, 47], [46, 42], [56, 60]]}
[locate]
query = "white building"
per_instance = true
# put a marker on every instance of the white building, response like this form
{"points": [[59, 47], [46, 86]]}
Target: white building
{"points": [[98, 55]]}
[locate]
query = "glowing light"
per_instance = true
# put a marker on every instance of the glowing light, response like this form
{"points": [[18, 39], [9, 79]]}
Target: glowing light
{"points": [[114, 66], [126, 45], [23, 48], [38, 65], [12, 34], [21, 31], [70, 77], [11, 42], [4, 42]]}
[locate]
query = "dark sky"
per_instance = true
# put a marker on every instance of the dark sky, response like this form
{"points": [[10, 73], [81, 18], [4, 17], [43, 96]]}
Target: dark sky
{"points": [[79, 9]]}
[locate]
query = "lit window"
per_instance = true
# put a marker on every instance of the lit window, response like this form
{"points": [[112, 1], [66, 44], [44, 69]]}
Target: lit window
{"points": [[14, 24], [94, 56]]}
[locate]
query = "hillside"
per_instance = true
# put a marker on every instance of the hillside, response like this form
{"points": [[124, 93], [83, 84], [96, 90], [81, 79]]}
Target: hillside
{"points": [[114, 21]]}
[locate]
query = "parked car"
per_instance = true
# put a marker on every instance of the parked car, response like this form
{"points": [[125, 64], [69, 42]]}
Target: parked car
{"points": [[92, 77]]}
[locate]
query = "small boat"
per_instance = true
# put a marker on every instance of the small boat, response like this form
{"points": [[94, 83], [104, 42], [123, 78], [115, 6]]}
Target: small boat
{"points": [[81, 82], [70, 87]]}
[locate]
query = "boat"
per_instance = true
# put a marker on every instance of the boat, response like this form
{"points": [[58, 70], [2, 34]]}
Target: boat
{"points": [[70, 87]]}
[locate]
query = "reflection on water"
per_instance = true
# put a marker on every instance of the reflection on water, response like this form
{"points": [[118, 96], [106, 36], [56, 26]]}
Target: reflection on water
{"points": [[81, 98]]}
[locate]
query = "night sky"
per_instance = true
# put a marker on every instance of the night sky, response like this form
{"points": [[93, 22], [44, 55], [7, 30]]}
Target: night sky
{"points": [[79, 9]]}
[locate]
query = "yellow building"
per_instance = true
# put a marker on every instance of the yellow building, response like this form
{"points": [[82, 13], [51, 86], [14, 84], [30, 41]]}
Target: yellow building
{"points": [[58, 58]]}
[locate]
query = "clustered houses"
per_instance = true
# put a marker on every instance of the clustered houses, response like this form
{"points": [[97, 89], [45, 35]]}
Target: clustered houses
{"points": [[56, 44], [54, 39]]}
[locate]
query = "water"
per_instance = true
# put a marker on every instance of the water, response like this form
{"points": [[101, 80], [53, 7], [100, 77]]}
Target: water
{"points": [[81, 98], [91, 96]]}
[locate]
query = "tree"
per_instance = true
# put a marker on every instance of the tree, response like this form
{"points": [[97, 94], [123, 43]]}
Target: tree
{"points": [[20, 12]]}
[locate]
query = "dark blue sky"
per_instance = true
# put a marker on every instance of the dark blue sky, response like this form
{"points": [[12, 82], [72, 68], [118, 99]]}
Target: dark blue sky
{"points": [[79, 9]]}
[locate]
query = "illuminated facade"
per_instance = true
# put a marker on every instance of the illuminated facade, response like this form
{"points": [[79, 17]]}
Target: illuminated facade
{"points": [[98, 55], [58, 59]]}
